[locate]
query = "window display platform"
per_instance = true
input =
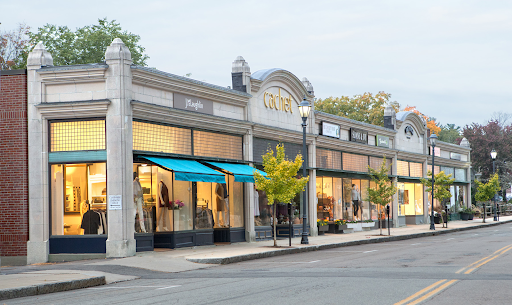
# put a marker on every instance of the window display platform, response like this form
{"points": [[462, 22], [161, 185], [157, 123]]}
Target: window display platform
{"points": [[78, 244], [183, 239], [229, 235], [144, 242]]}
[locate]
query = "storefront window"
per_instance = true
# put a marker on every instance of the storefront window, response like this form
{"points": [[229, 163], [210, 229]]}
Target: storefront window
{"points": [[325, 200], [78, 199], [236, 205], [410, 198], [365, 204], [262, 211], [205, 199], [144, 196], [348, 212]]}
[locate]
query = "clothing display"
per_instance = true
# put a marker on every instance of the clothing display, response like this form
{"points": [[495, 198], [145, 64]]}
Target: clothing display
{"points": [[146, 225], [138, 201], [91, 222], [164, 195], [356, 197], [221, 192], [256, 203], [204, 218]]}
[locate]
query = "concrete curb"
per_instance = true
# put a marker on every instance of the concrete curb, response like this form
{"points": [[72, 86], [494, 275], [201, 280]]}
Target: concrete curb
{"points": [[252, 256], [50, 287]]}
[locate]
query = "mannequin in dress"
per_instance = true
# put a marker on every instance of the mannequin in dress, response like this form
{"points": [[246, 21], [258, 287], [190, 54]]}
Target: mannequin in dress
{"points": [[163, 196], [356, 198], [221, 194], [137, 200]]}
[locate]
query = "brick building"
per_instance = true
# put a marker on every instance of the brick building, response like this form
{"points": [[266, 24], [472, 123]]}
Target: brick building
{"points": [[13, 167]]}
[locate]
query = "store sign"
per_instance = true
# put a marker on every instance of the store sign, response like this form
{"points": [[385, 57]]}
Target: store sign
{"points": [[278, 101], [194, 104], [437, 151], [331, 130], [455, 156], [114, 202], [358, 135], [382, 141]]}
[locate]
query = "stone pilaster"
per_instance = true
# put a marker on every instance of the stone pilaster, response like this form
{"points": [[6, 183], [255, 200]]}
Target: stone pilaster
{"points": [[120, 242], [37, 245], [250, 234]]}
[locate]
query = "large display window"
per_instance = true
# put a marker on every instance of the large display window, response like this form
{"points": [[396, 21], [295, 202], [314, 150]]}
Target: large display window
{"points": [[168, 204], [78, 199], [263, 213], [410, 198]]}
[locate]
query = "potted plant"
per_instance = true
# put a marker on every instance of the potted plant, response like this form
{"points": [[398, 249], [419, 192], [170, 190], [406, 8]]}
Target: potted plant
{"points": [[464, 213], [338, 226], [367, 224], [471, 213], [323, 226]]}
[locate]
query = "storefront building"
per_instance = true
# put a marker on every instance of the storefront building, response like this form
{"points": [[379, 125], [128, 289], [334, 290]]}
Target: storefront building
{"points": [[125, 158]]}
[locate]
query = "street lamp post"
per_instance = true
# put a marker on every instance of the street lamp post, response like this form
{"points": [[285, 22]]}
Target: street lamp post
{"points": [[494, 154], [433, 142], [304, 109]]}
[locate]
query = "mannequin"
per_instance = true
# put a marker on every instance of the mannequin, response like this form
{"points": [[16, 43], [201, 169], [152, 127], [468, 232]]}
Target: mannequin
{"points": [[256, 202], [221, 193], [356, 197], [137, 200], [163, 196]]}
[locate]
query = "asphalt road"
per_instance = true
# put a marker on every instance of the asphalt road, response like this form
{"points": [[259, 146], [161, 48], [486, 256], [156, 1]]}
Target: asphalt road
{"points": [[470, 267]]}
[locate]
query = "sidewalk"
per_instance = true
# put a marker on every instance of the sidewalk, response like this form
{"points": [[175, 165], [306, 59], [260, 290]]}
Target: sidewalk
{"points": [[178, 260]]}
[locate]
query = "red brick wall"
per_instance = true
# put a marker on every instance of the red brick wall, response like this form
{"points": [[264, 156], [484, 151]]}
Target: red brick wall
{"points": [[13, 163]]}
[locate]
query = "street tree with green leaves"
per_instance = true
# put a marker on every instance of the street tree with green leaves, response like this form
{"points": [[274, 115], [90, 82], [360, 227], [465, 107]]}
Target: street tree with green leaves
{"points": [[87, 44], [450, 134], [442, 184], [281, 183], [486, 191], [382, 193], [367, 108]]}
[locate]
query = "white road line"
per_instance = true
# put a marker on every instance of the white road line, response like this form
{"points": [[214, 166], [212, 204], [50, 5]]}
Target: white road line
{"points": [[369, 251], [128, 287], [450, 238], [415, 244], [311, 262], [168, 287]]}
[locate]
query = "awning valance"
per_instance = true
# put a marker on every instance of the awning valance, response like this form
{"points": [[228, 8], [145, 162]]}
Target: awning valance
{"points": [[242, 172], [188, 170]]}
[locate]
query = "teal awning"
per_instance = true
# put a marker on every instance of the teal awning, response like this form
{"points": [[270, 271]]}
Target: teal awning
{"points": [[188, 170], [242, 172]]}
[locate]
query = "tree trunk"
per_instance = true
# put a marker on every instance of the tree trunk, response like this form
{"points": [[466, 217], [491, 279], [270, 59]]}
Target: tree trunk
{"points": [[380, 219], [275, 225]]}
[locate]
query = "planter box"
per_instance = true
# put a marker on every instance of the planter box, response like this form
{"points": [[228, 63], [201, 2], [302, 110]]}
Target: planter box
{"points": [[464, 216], [471, 216], [322, 229], [367, 226], [336, 229], [354, 227]]}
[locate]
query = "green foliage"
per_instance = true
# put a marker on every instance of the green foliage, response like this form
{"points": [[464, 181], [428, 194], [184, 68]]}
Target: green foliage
{"points": [[486, 191], [442, 184], [366, 108], [384, 190], [280, 184], [321, 222], [449, 133], [87, 44]]}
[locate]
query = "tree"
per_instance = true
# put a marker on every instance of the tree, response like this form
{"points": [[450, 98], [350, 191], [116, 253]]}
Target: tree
{"points": [[367, 108], [486, 191], [484, 138], [442, 184], [431, 122], [87, 44], [384, 190], [14, 46], [280, 184], [449, 133]]}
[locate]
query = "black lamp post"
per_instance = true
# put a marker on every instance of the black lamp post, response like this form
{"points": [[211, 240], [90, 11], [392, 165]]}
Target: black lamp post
{"points": [[304, 109], [494, 154], [433, 142]]}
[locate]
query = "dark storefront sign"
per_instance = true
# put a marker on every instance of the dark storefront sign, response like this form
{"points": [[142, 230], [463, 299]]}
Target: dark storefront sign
{"points": [[192, 103], [358, 135]]}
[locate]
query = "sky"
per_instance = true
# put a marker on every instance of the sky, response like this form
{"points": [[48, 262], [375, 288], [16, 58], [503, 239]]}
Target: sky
{"points": [[450, 59]]}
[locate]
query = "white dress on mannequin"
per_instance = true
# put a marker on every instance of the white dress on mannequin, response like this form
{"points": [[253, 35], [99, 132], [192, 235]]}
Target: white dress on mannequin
{"points": [[137, 200]]}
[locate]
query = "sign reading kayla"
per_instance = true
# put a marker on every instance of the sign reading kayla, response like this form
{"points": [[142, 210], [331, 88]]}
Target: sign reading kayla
{"points": [[278, 101], [358, 135], [193, 103]]}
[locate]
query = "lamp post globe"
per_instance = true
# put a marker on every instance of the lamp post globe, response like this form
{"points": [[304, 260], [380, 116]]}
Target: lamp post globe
{"points": [[433, 142], [304, 109], [494, 154]]}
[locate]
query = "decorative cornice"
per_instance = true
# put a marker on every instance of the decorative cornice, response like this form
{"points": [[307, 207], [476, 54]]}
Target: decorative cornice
{"points": [[169, 115], [170, 82], [280, 134], [353, 147], [73, 74], [409, 156], [451, 147], [72, 110], [449, 162]]}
